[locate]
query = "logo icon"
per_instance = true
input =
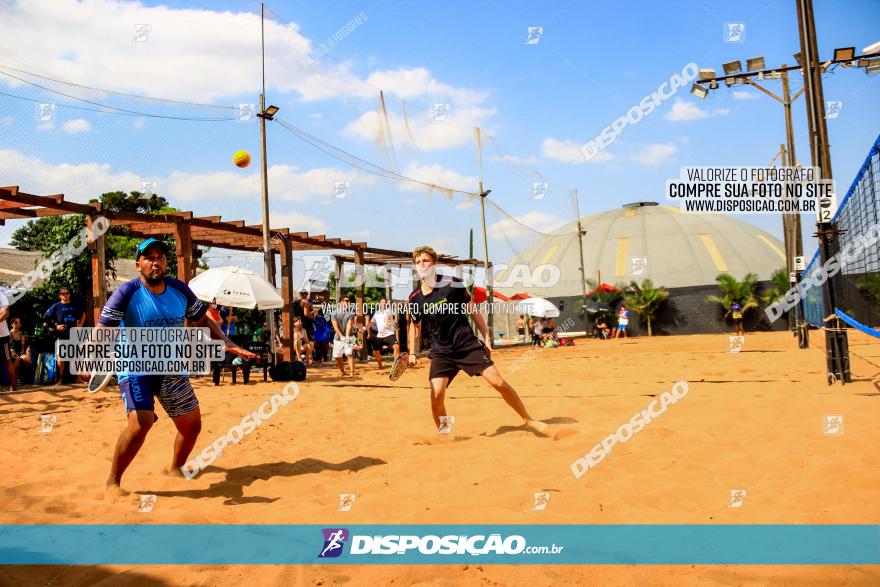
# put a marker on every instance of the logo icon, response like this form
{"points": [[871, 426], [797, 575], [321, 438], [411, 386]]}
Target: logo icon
{"points": [[341, 189], [833, 425], [446, 423], [735, 343], [589, 150], [334, 540], [638, 265], [539, 189], [346, 500], [533, 36], [149, 188], [45, 112], [832, 109], [246, 112], [440, 112], [541, 500], [47, 422], [141, 33], [734, 32], [147, 503], [737, 497]]}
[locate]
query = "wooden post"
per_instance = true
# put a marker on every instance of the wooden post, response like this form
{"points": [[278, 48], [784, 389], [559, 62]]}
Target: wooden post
{"points": [[338, 278], [359, 297], [289, 296], [184, 246], [386, 270], [99, 274]]}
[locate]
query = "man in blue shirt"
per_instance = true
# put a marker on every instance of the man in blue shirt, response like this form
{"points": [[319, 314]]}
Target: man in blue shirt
{"points": [[66, 315], [154, 300]]}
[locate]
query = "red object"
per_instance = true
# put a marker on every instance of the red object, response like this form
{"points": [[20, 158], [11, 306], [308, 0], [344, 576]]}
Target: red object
{"points": [[603, 287], [480, 296]]}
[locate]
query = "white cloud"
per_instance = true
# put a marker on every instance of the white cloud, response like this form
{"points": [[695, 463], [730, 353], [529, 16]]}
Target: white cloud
{"points": [[654, 155], [418, 130], [188, 50], [6, 121], [408, 202], [439, 176], [744, 95], [515, 159], [570, 152], [356, 234], [687, 111], [465, 204], [509, 228], [296, 221], [76, 126]]}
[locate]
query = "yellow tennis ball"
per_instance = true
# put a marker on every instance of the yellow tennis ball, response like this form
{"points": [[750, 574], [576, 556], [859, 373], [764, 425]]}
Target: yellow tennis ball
{"points": [[241, 158]]}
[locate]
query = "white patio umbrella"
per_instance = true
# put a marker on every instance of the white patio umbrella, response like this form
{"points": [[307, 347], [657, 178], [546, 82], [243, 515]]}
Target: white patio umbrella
{"points": [[236, 287], [537, 307]]}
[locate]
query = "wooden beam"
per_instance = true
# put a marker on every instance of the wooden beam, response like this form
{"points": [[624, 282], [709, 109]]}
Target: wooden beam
{"points": [[359, 296]]}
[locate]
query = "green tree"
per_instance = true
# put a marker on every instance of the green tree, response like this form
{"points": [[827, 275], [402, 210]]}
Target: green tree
{"points": [[646, 300], [733, 289], [776, 291], [372, 294]]}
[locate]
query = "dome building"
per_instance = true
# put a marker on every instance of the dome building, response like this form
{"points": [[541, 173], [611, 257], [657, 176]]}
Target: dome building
{"points": [[644, 240]]}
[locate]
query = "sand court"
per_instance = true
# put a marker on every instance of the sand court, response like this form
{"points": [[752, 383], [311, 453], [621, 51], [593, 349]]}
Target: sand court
{"points": [[750, 443]]}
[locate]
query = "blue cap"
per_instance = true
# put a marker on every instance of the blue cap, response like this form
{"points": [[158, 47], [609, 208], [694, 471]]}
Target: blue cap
{"points": [[142, 248]]}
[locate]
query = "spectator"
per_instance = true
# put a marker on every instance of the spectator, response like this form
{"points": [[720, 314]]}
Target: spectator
{"points": [[21, 348], [343, 322], [307, 314], [550, 330], [323, 336], [214, 312], [736, 310], [64, 314], [5, 348], [228, 320], [600, 327], [386, 332], [622, 322], [538, 331], [521, 328], [301, 344]]}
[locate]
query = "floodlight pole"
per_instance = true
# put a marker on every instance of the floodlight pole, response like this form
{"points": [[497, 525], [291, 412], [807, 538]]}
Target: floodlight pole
{"points": [[836, 344], [268, 254]]}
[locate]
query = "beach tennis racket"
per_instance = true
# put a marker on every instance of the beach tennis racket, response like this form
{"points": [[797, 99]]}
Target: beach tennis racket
{"points": [[398, 366], [99, 381]]}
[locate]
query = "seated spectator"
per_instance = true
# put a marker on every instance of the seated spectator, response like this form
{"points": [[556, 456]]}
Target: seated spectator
{"points": [[21, 350], [600, 328], [65, 315], [301, 343]]}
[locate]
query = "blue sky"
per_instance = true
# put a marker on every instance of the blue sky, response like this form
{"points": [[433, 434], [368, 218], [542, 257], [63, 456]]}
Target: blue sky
{"points": [[539, 102]]}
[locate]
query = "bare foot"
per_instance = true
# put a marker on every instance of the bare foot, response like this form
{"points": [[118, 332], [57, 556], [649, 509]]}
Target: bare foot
{"points": [[113, 493], [173, 472], [537, 426], [564, 432]]}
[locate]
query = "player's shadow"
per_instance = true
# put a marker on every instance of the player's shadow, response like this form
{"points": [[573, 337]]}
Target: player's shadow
{"points": [[523, 428], [232, 488]]}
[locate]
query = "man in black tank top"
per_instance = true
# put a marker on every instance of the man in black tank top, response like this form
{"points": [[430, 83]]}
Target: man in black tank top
{"points": [[443, 303]]}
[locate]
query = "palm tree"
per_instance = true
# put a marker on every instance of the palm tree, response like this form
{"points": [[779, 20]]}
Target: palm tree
{"points": [[734, 290], [779, 288], [645, 299]]}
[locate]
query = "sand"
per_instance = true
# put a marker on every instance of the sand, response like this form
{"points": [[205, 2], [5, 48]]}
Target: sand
{"points": [[752, 420]]}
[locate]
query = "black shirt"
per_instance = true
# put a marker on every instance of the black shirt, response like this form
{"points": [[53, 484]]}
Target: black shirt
{"points": [[444, 311]]}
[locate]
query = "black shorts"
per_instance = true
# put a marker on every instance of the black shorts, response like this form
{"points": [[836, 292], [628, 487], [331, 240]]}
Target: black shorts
{"points": [[5, 349], [376, 344], [521, 331], [472, 362]]}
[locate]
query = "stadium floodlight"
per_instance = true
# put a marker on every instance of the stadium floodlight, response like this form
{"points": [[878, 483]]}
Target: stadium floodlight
{"points": [[871, 49], [699, 91], [269, 113], [729, 81], [755, 64], [707, 73], [844, 53], [732, 67], [874, 67], [713, 86]]}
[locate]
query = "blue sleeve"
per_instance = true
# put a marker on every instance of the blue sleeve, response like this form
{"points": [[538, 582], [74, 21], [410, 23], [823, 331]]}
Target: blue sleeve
{"points": [[50, 313], [195, 308], [114, 310]]}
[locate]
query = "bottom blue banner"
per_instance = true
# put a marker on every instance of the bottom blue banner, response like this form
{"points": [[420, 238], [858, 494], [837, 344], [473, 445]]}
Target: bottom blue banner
{"points": [[94, 544]]}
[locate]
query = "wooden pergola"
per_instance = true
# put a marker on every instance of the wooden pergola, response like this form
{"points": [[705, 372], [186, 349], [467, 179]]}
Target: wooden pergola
{"points": [[188, 231]]}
